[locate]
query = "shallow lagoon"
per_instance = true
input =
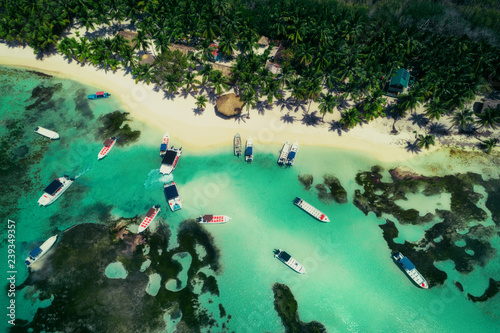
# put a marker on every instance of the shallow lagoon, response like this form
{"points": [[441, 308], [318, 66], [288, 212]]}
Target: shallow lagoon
{"points": [[352, 284]]}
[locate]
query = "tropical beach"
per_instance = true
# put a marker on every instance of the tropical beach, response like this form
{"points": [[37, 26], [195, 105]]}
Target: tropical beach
{"points": [[377, 175]]}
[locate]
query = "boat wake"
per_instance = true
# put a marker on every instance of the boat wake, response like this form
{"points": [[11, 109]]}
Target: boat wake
{"points": [[83, 172], [153, 180]]}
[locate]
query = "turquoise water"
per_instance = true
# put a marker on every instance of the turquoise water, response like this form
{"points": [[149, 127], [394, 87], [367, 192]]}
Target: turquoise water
{"points": [[351, 284]]}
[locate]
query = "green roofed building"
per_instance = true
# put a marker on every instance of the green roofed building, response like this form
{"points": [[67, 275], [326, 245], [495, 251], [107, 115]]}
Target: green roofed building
{"points": [[399, 82]]}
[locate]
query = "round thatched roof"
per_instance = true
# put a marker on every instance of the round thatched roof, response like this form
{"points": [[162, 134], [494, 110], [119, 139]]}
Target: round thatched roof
{"points": [[229, 104]]}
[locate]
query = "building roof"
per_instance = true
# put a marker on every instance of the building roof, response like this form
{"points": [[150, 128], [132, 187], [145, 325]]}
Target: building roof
{"points": [[264, 41], [401, 79], [147, 59], [129, 35]]}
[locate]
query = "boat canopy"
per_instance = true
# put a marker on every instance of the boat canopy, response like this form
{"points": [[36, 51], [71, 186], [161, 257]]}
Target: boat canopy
{"points": [[151, 212], [171, 192], [248, 151], [291, 156], [108, 142], [163, 147], [53, 187], [285, 256], [169, 157], [100, 93], [35, 252], [208, 217], [406, 263]]}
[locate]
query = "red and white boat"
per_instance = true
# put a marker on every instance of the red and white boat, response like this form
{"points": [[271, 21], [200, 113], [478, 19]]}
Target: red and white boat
{"points": [[54, 190], [213, 219], [108, 144], [164, 144], [150, 216]]}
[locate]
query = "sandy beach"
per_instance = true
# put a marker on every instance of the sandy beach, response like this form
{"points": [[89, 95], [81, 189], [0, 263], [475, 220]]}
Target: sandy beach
{"points": [[208, 130]]}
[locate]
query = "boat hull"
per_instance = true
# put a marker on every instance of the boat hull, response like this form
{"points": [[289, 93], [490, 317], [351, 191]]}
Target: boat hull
{"points": [[45, 247], [168, 168], [164, 144], [289, 261], [249, 150], [47, 199], [47, 133], [105, 150], [237, 145], [214, 219], [410, 270], [148, 219], [284, 153], [311, 210]]}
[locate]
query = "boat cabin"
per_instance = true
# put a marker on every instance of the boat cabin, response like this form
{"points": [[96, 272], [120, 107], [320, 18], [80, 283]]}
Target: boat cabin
{"points": [[108, 142], [406, 263], [285, 256], [151, 212], [35, 253], [171, 192], [53, 187], [399, 83], [169, 157]]}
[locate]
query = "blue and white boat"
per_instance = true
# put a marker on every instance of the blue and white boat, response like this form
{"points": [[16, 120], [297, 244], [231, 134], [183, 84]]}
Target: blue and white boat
{"points": [[38, 252], [410, 269], [249, 150], [293, 153], [164, 144], [172, 196], [289, 261], [99, 95]]}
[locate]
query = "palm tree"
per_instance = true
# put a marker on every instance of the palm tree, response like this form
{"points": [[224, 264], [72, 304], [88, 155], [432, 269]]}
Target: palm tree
{"points": [[350, 118], [249, 100], [462, 118], [219, 81], [142, 40], [327, 103], [190, 81], [227, 45], [143, 72], [435, 109], [206, 71], [425, 141], [409, 101], [488, 145], [201, 102], [489, 118]]}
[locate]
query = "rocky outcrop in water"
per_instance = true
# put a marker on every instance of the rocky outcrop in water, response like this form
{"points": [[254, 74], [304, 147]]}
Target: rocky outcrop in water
{"points": [[287, 308], [84, 299], [440, 240]]}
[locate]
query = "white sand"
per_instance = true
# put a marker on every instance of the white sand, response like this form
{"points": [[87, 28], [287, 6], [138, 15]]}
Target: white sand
{"points": [[209, 130]]}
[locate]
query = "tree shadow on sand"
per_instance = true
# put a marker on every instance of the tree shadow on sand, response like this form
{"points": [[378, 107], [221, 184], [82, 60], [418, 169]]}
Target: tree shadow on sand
{"points": [[336, 126], [286, 103], [438, 129], [198, 111], [262, 106], [288, 119], [419, 119], [311, 119], [412, 147], [241, 117]]}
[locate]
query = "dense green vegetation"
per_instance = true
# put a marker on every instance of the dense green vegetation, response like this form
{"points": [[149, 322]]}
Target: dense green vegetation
{"points": [[332, 50]]}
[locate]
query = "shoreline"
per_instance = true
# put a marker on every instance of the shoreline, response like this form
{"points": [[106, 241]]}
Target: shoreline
{"points": [[208, 130]]}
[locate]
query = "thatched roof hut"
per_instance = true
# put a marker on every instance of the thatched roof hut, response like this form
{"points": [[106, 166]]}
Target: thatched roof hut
{"points": [[183, 48], [129, 35], [229, 105], [263, 41], [147, 59]]}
